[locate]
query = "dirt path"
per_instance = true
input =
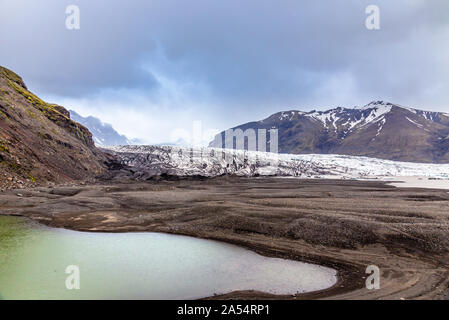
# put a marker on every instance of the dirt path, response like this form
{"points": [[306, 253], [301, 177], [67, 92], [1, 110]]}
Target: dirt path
{"points": [[346, 225]]}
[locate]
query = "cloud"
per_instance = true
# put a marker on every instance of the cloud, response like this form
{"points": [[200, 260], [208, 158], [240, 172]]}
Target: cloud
{"points": [[168, 63]]}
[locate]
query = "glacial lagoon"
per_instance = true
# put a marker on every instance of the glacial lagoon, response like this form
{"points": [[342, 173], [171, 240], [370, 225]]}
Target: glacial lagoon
{"points": [[34, 258]]}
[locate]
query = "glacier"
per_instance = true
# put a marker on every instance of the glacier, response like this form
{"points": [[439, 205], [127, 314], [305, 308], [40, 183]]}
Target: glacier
{"points": [[151, 160]]}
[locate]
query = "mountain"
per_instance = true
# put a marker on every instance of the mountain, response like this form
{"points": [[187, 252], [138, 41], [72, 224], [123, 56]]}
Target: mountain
{"points": [[380, 130], [103, 133], [39, 143], [178, 143], [146, 162]]}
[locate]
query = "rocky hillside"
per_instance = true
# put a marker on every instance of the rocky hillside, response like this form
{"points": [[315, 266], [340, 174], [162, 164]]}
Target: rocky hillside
{"points": [[39, 143], [379, 129]]}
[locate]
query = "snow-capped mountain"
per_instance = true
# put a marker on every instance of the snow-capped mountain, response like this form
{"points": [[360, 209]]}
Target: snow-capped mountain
{"points": [[148, 161], [379, 129], [103, 134]]}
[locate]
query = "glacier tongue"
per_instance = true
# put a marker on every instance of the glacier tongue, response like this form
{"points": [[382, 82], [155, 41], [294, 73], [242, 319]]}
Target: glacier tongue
{"points": [[185, 161]]}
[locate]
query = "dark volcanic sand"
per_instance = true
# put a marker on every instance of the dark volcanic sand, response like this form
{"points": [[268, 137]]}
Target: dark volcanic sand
{"points": [[346, 225]]}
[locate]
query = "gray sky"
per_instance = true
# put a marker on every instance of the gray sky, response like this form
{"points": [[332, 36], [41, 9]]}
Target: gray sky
{"points": [[151, 68]]}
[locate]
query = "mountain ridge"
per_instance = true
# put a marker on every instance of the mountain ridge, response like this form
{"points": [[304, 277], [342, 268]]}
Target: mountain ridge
{"points": [[103, 133], [379, 129]]}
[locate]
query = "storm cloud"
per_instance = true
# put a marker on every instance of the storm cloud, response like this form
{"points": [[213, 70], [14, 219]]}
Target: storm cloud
{"points": [[151, 67]]}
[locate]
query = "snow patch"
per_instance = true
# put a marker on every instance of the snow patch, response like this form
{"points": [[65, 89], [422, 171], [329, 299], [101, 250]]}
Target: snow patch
{"points": [[415, 123]]}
